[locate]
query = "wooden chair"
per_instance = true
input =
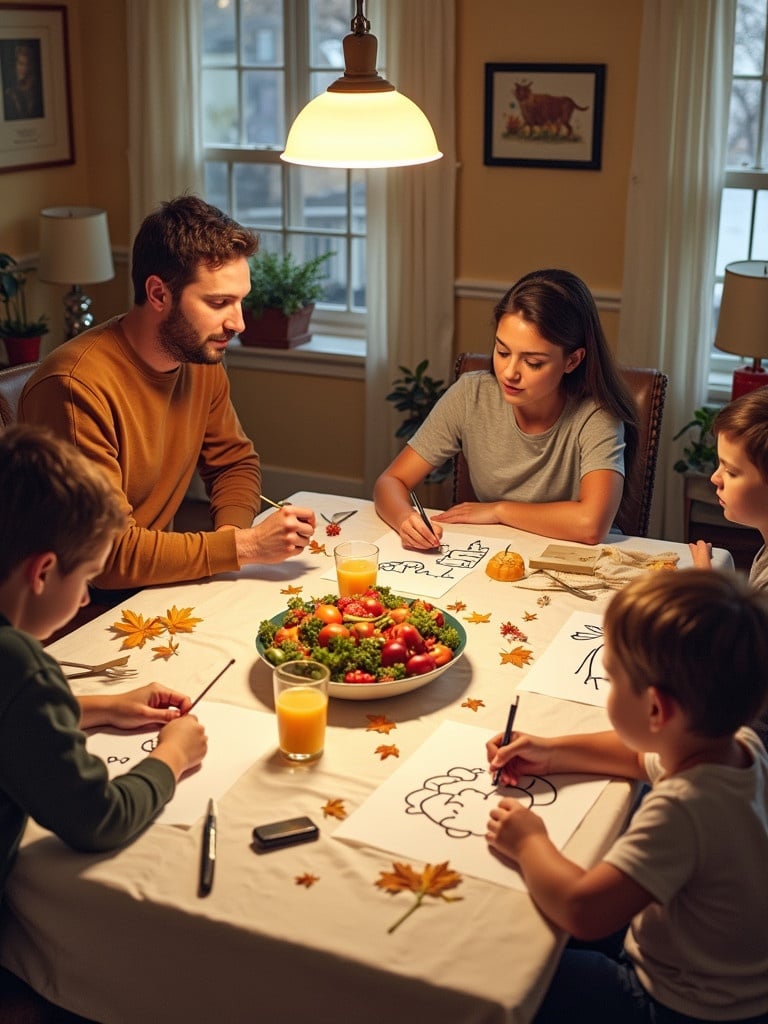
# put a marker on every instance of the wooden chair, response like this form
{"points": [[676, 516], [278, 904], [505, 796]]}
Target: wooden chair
{"points": [[648, 388], [12, 381]]}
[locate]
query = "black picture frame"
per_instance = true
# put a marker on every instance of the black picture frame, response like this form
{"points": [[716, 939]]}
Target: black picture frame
{"points": [[544, 115], [35, 101]]}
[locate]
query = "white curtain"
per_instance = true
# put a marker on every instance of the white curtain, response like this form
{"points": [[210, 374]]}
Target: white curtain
{"points": [[673, 213], [411, 223], [163, 150]]}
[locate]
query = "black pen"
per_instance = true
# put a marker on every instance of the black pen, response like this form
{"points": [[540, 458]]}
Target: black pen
{"points": [[420, 509], [208, 858], [215, 679], [506, 737]]}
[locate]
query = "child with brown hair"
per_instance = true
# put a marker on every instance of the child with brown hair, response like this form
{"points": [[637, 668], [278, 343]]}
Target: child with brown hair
{"points": [[687, 657]]}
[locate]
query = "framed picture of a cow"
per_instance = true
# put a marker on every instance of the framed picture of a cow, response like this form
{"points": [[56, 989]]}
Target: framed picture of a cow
{"points": [[544, 115]]}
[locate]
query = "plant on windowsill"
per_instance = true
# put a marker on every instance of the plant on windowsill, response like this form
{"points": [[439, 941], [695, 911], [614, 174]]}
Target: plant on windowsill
{"points": [[700, 454], [20, 335], [415, 394], [278, 308]]}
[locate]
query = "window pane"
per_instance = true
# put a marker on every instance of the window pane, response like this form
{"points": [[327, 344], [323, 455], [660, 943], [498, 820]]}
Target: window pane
{"points": [[217, 33], [359, 275], [263, 108], [330, 21], [733, 235], [258, 195], [306, 247], [270, 242], [220, 108], [263, 32], [750, 37], [216, 184], [743, 122], [318, 198], [359, 180]]}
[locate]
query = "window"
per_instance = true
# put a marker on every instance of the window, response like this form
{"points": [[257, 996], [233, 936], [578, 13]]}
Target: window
{"points": [[261, 62], [743, 232]]}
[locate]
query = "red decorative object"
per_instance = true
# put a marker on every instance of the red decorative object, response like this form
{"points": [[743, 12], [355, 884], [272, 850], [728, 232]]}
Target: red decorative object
{"points": [[22, 350], [273, 329], [748, 378]]}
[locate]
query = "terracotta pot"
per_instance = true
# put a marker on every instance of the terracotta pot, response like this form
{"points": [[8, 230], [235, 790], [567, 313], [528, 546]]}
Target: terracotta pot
{"points": [[273, 329], [22, 350]]}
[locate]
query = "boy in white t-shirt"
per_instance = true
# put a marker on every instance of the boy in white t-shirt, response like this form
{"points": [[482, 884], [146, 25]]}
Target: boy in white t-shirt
{"points": [[687, 656]]}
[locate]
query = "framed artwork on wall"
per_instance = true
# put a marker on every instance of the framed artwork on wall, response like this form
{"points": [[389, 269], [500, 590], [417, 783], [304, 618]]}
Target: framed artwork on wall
{"points": [[544, 115], [35, 104]]}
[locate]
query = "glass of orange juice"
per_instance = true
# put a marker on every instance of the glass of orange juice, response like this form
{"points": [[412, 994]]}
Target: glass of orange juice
{"points": [[357, 563], [301, 705]]}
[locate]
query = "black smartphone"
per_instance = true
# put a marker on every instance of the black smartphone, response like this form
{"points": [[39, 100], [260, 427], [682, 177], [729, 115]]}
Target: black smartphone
{"points": [[284, 833]]}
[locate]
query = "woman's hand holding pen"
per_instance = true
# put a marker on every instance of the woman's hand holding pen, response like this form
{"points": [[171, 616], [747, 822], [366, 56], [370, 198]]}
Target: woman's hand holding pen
{"points": [[523, 755], [415, 534]]}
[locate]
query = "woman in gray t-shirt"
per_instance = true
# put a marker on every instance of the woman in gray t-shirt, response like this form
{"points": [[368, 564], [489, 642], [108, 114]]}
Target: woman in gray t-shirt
{"points": [[546, 435]]}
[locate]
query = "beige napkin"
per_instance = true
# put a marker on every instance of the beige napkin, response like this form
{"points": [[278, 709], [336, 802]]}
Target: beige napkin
{"points": [[614, 569]]}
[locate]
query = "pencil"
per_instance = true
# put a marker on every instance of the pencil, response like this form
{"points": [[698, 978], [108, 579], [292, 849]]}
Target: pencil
{"points": [[215, 679], [506, 737], [420, 509], [269, 501]]}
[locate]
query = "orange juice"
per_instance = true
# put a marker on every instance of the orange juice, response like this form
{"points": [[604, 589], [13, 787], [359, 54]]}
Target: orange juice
{"points": [[301, 717], [355, 575]]}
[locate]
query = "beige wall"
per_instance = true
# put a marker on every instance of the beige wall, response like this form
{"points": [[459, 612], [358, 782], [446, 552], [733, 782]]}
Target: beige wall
{"points": [[509, 220]]}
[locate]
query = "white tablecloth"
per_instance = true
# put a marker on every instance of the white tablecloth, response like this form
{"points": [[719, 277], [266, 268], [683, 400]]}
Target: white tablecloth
{"points": [[124, 937]]}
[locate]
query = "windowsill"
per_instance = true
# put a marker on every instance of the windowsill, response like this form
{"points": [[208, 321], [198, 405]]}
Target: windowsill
{"points": [[324, 355]]}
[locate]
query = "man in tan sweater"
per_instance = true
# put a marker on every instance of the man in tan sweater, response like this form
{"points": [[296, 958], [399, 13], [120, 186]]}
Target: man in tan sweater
{"points": [[145, 396]]}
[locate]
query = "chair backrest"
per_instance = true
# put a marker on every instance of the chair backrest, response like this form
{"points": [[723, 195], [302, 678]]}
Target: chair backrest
{"points": [[648, 388], [12, 381]]}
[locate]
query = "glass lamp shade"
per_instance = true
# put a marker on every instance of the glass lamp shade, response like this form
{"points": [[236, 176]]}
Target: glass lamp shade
{"points": [[361, 129], [75, 246]]}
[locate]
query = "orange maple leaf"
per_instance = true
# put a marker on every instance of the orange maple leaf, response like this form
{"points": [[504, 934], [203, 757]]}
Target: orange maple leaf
{"points": [[307, 880], [478, 617], [137, 629], [317, 549], [334, 809], [459, 606], [292, 590], [473, 703], [167, 651], [379, 723], [529, 616], [179, 620], [433, 881], [518, 656], [388, 750]]}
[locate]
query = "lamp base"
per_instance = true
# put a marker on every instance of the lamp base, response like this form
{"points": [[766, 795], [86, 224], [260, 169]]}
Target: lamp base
{"points": [[77, 311], [748, 379]]}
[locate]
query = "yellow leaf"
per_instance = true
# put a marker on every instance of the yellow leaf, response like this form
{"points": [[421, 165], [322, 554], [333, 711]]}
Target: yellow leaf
{"points": [[307, 880], [433, 881], [137, 629], [518, 656], [478, 617], [334, 809], [459, 606], [389, 750], [167, 651], [317, 549], [379, 723], [529, 616], [473, 703], [292, 590], [179, 620]]}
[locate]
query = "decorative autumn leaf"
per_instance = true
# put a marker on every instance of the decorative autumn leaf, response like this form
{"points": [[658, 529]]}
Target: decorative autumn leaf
{"points": [[433, 881], [543, 601], [459, 606], [167, 651], [333, 529], [317, 549], [478, 617], [388, 750], [529, 616], [518, 656], [473, 703], [513, 632], [380, 723], [137, 629], [307, 880], [179, 620], [291, 590], [334, 809]]}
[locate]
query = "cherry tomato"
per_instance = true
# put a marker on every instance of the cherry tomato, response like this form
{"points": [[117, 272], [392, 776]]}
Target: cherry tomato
{"points": [[441, 654], [410, 636], [331, 632], [372, 605], [362, 630], [399, 614], [286, 633], [327, 613], [358, 676], [419, 664], [394, 651]]}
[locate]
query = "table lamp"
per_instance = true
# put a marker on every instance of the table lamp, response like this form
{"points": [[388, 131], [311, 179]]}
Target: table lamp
{"points": [[742, 326], [75, 247]]}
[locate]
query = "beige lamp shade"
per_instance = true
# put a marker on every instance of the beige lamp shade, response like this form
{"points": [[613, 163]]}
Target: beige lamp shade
{"points": [[742, 326], [75, 246]]}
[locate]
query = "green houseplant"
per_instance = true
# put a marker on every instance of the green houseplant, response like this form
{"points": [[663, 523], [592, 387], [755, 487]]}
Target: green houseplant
{"points": [[415, 395], [700, 454], [278, 307], [20, 334]]}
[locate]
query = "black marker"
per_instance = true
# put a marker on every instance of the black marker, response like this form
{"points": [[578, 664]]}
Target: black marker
{"points": [[506, 737], [420, 509], [208, 858]]}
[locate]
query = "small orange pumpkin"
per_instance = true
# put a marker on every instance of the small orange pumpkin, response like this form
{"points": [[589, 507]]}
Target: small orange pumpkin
{"points": [[506, 565]]}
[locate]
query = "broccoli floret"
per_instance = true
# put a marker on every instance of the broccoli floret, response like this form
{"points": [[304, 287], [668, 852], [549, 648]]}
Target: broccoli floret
{"points": [[396, 671], [423, 621], [449, 636], [267, 632], [309, 629], [340, 656], [369, 655]]}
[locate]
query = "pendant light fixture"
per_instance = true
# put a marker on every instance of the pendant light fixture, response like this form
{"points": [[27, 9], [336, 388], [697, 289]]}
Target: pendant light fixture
{"points": [[361, 120]]}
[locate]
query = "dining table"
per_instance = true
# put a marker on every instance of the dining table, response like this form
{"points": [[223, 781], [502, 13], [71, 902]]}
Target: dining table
{"points": [[304, 933]]}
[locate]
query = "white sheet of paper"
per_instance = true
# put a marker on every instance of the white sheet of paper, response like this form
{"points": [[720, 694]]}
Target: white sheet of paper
{"points": [[236, 738], [427, 573], [572, 665], [435, 806]]}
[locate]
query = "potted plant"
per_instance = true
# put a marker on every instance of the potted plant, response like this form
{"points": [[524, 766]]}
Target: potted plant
{"points": [[20, 334], [278, 307], [700, 455]]}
